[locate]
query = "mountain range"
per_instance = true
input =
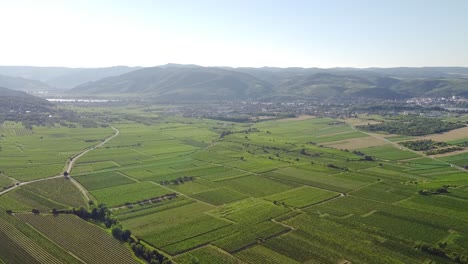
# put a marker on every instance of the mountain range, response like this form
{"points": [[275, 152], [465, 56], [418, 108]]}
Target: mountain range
{"points": [[60, 78], [190, 82], [197, 83]]}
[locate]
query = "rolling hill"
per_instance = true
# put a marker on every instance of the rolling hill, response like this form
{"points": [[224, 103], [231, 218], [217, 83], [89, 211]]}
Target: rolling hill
{"points": [[175, 82], [22, 84], [13, 101], [189, 82]]}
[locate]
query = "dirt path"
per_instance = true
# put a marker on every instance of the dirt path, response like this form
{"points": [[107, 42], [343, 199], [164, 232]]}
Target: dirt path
{"points": [[69, 166]]}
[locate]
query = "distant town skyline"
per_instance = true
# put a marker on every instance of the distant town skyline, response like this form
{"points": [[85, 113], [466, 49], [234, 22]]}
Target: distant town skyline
{"points": [[324, 34]]}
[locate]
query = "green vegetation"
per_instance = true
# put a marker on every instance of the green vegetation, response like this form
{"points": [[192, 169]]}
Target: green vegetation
{"points": [[423, 145], [389, 152], [430, 147], [208, 254], [129, 193], [103, 180], [302, 197], [265, 192], [412, 126]]}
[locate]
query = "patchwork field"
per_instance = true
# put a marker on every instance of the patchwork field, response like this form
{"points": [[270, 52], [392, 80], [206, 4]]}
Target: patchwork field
{"points": [[306, 190]]}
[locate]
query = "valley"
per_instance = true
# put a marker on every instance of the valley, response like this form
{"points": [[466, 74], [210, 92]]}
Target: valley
{"points": [[207, 190]]}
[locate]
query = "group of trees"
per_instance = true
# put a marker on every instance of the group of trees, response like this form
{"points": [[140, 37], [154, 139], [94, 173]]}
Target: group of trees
{"points": [[441, 190], [430, 147], [179, 180], [440, 251], [140, 250], [443, 150], [363, 155], [423, 144], [98, 213], [413, 126]]}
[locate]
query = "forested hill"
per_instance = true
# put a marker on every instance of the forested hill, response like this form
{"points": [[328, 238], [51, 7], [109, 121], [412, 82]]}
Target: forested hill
{"points": [[12, 101], [190, 82], [181, 82]]}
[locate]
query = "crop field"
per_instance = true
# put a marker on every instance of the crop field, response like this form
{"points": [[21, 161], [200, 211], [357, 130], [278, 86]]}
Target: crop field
{"points": [[103, 180], [18, 248], [219, 196], [24, 200], [60, 190], [128, 193], [460, 159], [249, 211], [208, 254], [249, 185], [172, 224], [337, 183], [357, 143], [263, 255], [389, 153], [306, 190], [80, 238], [302, 197], [43, 152], [5, 181]]}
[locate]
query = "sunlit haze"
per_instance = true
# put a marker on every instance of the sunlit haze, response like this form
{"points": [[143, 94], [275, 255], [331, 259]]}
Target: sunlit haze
{"points": [[234, 33]]}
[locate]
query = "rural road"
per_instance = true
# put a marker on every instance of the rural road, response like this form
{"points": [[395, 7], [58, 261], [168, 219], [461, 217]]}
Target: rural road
{"points": [[69, 167]]}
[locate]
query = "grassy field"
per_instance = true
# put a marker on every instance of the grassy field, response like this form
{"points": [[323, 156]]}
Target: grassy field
{"points": [[277, 191]]}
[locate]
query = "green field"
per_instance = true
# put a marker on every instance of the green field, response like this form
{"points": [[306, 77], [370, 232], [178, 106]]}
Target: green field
{"points": [[80, 238], [389, 152], [302, 197], [128, 193], [263, 192]]}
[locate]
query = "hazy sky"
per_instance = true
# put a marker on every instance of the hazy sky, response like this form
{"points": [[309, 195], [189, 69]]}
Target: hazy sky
{"points": [[309, 33]]}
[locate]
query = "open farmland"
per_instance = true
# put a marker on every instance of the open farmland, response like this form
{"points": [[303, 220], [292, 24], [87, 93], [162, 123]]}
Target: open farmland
{"points": [[43, 152], [80, 238], [278, 191], [17, 247]]}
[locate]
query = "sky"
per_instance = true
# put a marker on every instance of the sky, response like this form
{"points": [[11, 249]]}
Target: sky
{"points": [[236, 33]]}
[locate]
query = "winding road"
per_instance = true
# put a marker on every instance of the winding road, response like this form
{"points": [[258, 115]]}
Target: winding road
{"points": [[69, 166]]}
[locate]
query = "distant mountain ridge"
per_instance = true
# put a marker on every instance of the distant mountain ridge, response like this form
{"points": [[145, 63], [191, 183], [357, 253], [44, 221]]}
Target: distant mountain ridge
{"points": [[62, 77], [196, 83], [191, 82], [18, 83], [181, 82]]}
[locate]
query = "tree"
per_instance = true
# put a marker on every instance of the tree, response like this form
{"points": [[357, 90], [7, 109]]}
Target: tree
{"points": [[66, 174], [117, 232], [126, 234]]}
